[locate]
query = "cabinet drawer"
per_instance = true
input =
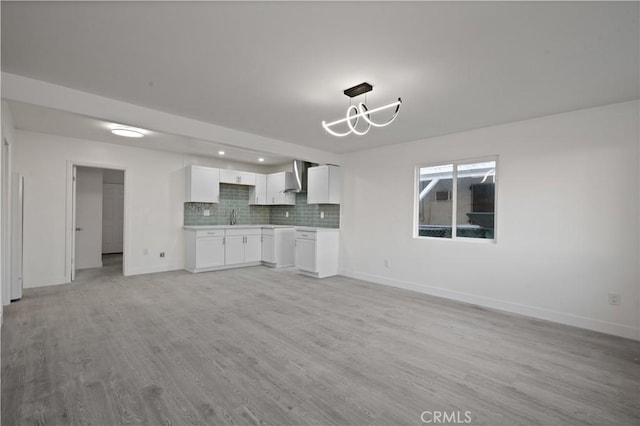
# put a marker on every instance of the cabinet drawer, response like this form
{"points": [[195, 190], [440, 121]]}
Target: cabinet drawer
{"points": [[305, 235], [244, 231], [210, 233]]}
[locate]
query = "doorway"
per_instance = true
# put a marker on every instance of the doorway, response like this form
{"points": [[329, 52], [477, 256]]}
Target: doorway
{"points": [[98, 221]]}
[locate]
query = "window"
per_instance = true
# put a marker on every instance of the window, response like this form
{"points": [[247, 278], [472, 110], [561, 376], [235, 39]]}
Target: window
{"points": [[457, 200]]}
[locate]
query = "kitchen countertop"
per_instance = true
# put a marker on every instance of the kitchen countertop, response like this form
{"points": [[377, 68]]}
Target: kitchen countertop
{"points": [[315, 229], [198, 227], [267, 226]]}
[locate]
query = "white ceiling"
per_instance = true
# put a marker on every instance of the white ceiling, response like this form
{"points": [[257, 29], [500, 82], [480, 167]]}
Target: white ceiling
{"points": [[279, 69], [56, 122]]}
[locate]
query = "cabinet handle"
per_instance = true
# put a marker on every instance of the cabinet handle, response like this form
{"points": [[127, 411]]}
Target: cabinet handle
{"points": [[224, 240], [295, 243]]}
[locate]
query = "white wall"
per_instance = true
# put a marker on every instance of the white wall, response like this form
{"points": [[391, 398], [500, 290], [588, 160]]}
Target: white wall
{"points": [[88, 218], [567, 219], [154, 197], [7, 133]]}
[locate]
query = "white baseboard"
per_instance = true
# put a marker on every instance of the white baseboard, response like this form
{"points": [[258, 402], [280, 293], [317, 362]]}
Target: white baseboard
{"points": [[140, 270], [615, 329]]}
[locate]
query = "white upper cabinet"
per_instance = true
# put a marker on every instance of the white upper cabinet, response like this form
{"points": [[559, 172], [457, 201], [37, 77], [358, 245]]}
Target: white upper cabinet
{"points": [[277, 183], [202, 184], [258, 193], [323, 185], [237, 177]]}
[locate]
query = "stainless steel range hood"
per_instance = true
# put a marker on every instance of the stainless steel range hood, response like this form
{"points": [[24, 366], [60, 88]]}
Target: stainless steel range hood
{"points": [[300, 176]]}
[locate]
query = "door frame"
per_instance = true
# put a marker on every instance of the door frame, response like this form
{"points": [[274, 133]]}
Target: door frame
{"points": [[70, 215], [5, 223]]}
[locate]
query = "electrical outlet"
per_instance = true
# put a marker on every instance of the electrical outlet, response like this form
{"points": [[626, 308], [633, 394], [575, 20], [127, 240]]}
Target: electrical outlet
{"points": [[145, 251], [387, 263], [286, 214], [614, 299], [206, 212], [161, 254], [321, 215]]}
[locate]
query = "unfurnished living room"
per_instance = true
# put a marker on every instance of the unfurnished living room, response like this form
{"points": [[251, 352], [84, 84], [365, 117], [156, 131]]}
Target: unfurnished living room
{"points": [[320, 213]]}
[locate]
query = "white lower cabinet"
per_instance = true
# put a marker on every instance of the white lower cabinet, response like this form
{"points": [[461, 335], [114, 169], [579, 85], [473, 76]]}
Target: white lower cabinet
{"points": [[253, 248], [316, 251], [209, 252], [277, 247], [306, 255], [234, 250], [268, 250], [204, 249], [235, 246], [243, 246]]}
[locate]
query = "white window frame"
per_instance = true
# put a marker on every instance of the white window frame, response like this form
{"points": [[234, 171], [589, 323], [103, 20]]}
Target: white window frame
{"points": [[454, 200]]}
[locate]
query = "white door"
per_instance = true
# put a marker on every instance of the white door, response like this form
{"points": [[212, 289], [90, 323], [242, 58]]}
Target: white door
{"points": [[234, 250], [88, 244], [252, 248], [17, 228], [209, 252], [112, 217], [5, 267], [73, 222], [306, 255], [268, 252]]}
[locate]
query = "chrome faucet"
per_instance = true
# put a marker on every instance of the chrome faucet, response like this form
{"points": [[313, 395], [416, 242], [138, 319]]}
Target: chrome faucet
{"points": [[234, 217]]}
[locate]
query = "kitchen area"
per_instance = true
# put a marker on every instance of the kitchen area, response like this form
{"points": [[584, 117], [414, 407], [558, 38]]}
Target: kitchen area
{"points": [[235, 218]]}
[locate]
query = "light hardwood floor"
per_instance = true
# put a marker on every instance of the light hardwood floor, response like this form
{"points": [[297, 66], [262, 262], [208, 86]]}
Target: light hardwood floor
{"points": [[259, 346]]}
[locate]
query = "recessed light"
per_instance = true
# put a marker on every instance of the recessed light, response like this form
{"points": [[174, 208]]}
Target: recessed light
{"points": [[127, 133], [220, 152], [261, 159]]}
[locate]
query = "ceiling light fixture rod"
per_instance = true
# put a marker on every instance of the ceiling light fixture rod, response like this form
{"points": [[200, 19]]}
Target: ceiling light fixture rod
{"points": [[366, 112]]}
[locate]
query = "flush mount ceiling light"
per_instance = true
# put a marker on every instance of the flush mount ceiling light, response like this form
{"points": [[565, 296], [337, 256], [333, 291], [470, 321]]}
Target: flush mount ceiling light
{"points": [[127, 133], [354, 113], [220, 152]]}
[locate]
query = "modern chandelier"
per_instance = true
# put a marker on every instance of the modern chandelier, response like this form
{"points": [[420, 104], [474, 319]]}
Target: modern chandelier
{"points": [[354, 113]]}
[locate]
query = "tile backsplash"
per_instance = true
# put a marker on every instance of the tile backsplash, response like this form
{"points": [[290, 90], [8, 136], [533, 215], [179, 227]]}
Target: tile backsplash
{"points": [[303, 214], [231, 197], [237, 197]]}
